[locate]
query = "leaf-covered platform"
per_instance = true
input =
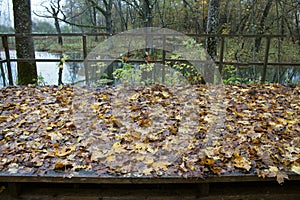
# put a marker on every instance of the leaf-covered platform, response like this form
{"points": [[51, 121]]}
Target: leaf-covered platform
{"points": [[192, 132]]}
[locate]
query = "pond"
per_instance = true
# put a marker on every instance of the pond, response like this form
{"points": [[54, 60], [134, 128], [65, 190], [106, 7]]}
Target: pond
{"points": [[48, 71]]}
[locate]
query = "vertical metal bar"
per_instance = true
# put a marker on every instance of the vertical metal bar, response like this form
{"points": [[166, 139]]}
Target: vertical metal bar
{"points": [[6, 49], [85, 64], [163, 60], [221, 55], [264, 72]]}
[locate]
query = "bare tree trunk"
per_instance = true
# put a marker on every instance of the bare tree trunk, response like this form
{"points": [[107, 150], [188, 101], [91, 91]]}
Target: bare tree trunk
{"points": [[276, 73], [57, 26], [211, 42], [106, 12], [212, 26], [147, 7], [27, 72]]}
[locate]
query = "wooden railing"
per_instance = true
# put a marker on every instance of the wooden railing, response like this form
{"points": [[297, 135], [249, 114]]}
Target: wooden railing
{"points": [[220, 61]]}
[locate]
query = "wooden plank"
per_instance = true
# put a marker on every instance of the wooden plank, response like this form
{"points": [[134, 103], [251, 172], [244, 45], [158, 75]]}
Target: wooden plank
{"points": [[136, 180], [250, 190]]}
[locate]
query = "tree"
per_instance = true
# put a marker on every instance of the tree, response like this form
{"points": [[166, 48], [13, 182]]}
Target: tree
{"points": [[144, 9], [212, 27], [54, 11], [261, 28], [211, 42], [27, 72], [106, 12]]}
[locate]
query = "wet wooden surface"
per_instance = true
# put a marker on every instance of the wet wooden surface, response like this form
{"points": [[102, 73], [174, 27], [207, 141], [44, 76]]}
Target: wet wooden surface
{"points": [[91, 178], [238, 190]]}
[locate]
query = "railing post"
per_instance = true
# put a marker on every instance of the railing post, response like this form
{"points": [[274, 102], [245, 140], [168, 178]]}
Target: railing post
{"points": [[2, 73], [6, 49], [221, 54], [163, 60], [85, 63], [264, 72]]}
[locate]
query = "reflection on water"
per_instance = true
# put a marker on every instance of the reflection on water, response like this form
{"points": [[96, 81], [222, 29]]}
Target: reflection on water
{"points": [[47, 70]]}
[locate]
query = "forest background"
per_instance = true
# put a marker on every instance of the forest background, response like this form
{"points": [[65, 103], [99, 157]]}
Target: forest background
{"points": [[239, 17]]}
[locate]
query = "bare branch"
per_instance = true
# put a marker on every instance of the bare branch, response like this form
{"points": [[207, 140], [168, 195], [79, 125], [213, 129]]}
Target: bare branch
{"points": [[70, 23]]}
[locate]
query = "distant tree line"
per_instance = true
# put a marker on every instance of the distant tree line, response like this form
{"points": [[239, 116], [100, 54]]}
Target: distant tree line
{"points": [[188, 16]]}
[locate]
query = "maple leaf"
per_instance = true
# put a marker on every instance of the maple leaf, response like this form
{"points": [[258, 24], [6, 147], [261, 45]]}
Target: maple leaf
{"points": [[242, 162], [63, 165], [147, 171], [296, 169], [281, 176], [163, 165], [121, 130], [13, 168]]}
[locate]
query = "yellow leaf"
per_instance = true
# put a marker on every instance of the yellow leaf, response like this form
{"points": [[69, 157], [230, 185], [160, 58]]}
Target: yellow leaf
{"points": [[62, 165], [116, 145], [273, 169], [103, 97], [296, 169], [178, 117], [191, 146], [182, 167], [96, 106], [77, 167], [110, 158], [238, 114], [161, 165], [191, 166], [65, 151], [49, 128], [72, 148], [243, 122], [22, 122], [134, 97], [140, 158], [26, 133], [242, 162], [141, 146], [149, 161], [147, 171], [165, 94]]}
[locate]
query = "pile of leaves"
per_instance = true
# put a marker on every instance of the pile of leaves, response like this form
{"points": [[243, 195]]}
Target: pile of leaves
{"points": [[151, 131]]}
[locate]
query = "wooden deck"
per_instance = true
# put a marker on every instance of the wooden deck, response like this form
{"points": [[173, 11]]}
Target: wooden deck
{"points": [[93, 179], [57, 186]]}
